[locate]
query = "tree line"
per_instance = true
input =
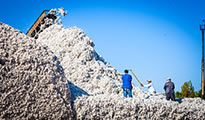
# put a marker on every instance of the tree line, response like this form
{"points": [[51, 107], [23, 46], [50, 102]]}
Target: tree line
{"points": [[187, 90]]}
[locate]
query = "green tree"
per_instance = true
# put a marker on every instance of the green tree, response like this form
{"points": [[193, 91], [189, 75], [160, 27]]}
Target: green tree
{"points": [[178, 94], [200, 95], [187, 90]]}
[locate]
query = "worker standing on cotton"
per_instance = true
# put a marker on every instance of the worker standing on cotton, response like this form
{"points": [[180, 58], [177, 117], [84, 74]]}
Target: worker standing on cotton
{"points": [[169, 90], [150, 87], [127, 84]]}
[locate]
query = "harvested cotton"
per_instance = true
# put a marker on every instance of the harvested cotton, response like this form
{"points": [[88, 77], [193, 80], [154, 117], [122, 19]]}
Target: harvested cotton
{"points": [[32, 82], [82, 65], [117, 107], [96, 86]]}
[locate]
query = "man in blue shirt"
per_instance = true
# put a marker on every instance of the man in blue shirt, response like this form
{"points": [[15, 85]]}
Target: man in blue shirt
{"points": [[126, 84]]}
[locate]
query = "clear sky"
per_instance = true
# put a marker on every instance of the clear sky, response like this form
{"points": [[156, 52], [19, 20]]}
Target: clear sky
{"points": [[157, 39]]}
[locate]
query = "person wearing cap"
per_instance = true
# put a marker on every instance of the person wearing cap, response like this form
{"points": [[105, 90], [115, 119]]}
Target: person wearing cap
{"points": [[169, 90], [150, 87], [127, 84]]}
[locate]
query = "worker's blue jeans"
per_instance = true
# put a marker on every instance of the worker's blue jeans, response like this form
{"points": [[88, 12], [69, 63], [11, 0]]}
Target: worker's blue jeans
{"points": [[127, 91]]}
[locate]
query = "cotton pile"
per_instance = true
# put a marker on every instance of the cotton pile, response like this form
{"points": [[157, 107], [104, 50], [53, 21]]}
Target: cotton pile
{"points": [[61, 76], [32, 82], [96, 86], [82, 65]]}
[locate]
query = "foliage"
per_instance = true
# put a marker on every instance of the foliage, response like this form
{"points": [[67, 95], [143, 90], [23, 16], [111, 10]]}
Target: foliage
{"points": [[178, 94], [187, 90], [200, 95]]}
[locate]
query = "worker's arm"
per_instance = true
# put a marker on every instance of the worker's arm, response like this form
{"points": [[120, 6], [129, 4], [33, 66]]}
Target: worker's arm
{"points": [[165, 87], [147, 85], [173, 86]]}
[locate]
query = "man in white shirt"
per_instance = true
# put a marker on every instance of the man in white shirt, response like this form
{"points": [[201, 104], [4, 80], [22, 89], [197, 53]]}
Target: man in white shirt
{"points": [[150, 87]]}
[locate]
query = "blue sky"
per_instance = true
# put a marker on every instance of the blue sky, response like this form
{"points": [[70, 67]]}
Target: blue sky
{"points": [[157, 39]]}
